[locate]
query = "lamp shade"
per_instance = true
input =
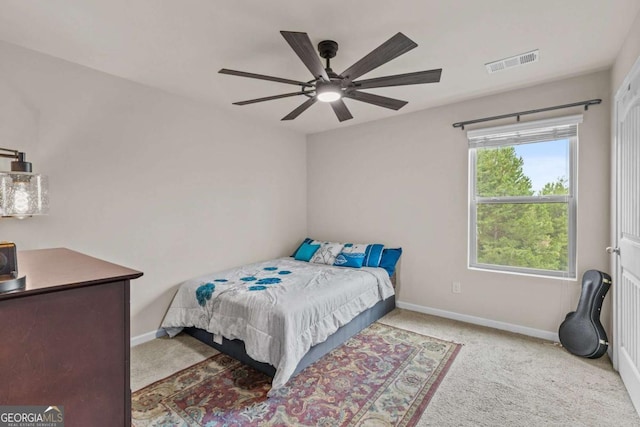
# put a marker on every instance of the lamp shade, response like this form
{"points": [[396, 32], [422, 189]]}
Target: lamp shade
{"points": [[23, 194]]}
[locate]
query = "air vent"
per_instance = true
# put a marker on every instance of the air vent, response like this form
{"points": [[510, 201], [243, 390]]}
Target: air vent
{"points": [[514, 61]]}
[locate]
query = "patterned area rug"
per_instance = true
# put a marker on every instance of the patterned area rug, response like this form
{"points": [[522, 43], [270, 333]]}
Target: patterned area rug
{"points": [[381, 376]]}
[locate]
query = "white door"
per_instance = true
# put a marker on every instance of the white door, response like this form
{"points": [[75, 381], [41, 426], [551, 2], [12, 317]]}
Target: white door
{"points": [[626, 283]]}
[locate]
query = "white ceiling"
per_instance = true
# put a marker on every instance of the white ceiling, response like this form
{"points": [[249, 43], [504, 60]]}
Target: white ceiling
{"points": [[178, 46]]}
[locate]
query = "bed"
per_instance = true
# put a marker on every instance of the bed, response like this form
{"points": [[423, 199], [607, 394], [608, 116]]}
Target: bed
{"points": [[281, 315]]}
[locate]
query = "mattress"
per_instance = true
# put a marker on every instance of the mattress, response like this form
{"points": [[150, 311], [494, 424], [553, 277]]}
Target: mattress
{"points": [[278, 308]]}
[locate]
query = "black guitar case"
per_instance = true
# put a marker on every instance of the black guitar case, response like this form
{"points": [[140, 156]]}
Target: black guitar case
{"points": [[581, 333]]}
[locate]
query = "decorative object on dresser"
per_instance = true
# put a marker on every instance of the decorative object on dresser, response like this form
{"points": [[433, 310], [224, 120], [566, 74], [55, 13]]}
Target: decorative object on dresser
{"points": [[22, 193], [9, 278], [65, 337]]}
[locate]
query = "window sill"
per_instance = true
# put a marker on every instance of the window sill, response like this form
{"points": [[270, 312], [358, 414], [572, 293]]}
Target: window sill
{"points": [[540, 275]]}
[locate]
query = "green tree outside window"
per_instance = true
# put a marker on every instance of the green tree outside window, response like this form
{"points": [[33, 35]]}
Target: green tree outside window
{"points": [[520, 234]]}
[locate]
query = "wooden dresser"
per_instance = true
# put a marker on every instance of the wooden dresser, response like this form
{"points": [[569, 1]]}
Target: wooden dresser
{"points": [[64, 339]]}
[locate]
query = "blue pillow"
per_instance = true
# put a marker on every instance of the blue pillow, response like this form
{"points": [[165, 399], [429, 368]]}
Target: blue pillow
{"points": [[307, 240], [372, 255], [349, 260], [306, 251], [389, 259]]}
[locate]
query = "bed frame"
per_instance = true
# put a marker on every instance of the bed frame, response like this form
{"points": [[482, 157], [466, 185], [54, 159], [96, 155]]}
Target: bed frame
{"points": [[236, 349]]}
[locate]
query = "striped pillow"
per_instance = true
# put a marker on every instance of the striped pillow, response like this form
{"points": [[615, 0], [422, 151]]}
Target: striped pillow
{"points": [[373, 255]]}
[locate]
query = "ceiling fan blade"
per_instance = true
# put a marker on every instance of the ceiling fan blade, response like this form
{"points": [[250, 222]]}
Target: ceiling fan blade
{"points": [[420, 77], [392, 48], [380, 101], [268, 98], [341, 110], [263, 77], [301, 108], [301, 44]]}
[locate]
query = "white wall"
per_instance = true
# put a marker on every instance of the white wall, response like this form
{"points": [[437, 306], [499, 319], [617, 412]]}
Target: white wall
{"points": [[146, 179], [403, 182], [627, 56]]}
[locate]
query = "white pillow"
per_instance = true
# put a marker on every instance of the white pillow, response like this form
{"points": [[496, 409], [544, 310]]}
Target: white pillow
{"points": [[327, 252], [356, 248]]}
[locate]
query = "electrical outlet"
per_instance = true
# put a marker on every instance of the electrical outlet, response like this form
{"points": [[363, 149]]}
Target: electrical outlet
{"points": [[456, 288]]}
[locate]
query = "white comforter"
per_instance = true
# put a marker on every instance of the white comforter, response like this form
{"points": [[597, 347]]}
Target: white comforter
{"points": [[279, 308]]}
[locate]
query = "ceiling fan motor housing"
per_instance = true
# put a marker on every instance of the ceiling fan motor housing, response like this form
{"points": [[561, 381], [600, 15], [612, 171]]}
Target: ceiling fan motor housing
{"points": [[327, 49]]}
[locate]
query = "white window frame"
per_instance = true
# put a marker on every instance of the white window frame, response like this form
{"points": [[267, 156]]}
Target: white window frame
{"points": [[523, 133]]}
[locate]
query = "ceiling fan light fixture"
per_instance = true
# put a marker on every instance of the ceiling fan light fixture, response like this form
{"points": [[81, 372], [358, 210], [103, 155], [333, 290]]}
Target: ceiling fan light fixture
{"points": [[330, 87], [327, 92]]}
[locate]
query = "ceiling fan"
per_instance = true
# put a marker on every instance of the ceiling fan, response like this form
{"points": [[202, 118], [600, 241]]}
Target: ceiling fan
{"points": [[327, 86]]}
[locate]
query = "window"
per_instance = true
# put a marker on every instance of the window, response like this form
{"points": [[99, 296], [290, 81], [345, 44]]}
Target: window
{"points": [[522, 197]]}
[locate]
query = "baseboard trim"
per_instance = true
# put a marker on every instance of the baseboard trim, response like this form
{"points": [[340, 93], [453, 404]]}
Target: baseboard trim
{"points": [[141, 339], [503, 326]]}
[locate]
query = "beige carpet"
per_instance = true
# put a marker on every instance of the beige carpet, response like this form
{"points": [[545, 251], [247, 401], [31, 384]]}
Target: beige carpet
{"points": [[498, 378]]}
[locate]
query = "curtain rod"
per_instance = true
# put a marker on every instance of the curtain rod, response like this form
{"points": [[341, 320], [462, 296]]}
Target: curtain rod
{"points": [[522, 113]]}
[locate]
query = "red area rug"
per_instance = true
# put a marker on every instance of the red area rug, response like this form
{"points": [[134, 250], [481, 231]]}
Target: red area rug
{"points": [[382, 376]]}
